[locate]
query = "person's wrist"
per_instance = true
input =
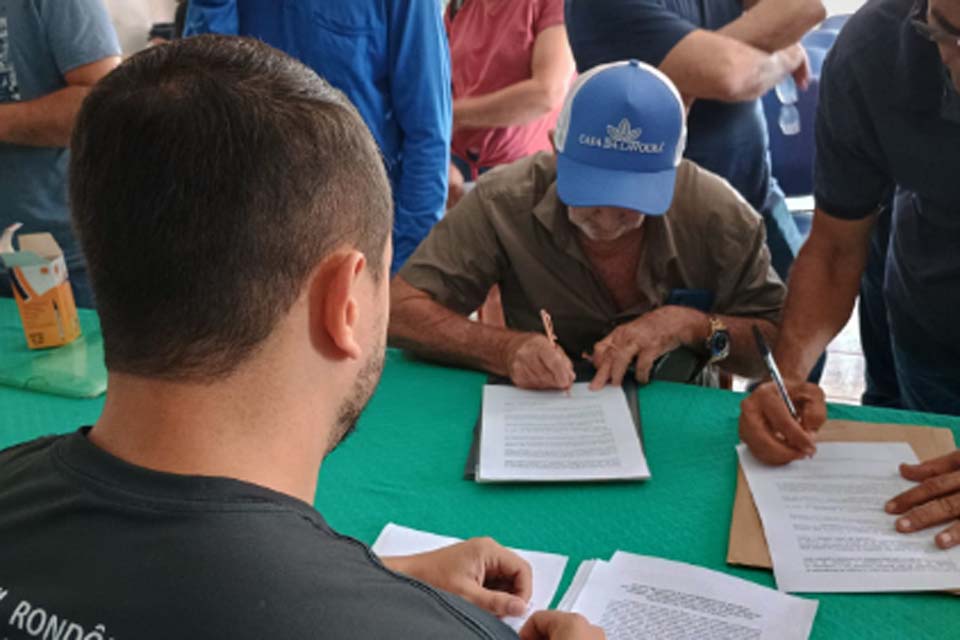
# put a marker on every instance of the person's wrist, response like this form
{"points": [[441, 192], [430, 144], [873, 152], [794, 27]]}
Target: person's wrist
{"points": [[689, 327], [791, 372], [510, 346]]}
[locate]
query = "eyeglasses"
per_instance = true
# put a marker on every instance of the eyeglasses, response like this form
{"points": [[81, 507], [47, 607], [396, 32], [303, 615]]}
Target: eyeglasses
{"points": [[935, 34]]}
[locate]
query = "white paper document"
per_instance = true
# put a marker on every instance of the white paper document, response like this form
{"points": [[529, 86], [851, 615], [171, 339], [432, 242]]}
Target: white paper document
{"points": [[826, 528], [542, 436], [548, 568], [642, 597]]}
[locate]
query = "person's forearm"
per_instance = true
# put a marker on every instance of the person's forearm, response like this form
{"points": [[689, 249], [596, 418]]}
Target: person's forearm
{"points": [[821, 293], [771, 25], [44, 122], [710, 66], [693, 329], [517, 104], [744, 360], [427, 328]]}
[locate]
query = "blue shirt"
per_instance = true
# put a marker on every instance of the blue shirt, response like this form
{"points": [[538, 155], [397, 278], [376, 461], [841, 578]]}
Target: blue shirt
{"points": [[888, 118], [40, 42], [391, 59], [729, 139]]}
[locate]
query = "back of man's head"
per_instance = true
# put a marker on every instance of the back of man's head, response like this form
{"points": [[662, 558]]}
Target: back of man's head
{"points": [[209, 177]]}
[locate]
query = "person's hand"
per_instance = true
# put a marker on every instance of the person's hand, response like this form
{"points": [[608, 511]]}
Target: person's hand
{"points": [[455, 188], [794, 61], [769, 430], [642, 341], [801, 74], [559, 625], [534, 362], [934, 501], [478, 570]]}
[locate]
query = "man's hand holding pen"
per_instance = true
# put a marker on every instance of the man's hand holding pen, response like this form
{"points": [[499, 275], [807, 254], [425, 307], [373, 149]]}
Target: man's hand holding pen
{"points": [[536, 361], [779, 419]]}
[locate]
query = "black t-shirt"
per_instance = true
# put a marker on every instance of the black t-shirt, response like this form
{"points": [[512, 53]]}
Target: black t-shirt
{"points": [[87, 539], [889, 118]]}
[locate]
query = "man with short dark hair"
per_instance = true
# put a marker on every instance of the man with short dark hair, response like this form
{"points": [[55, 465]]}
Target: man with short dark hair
{"points": [[237, 218]]}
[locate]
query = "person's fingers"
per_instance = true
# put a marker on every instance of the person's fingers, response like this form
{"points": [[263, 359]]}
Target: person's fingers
{"points": [[621, 362], [805, 80], [533, 376], [760, 439], [492, 577], [765, 446], [777, 417], [603, 374], [927, 490], [643, 367], [499, 603], [936, 511], [600, 348], [801, 76], [949, 537], [535, 626], [528, 369], [506, 567], [811, 404], [559, 625], [557, 367], [930, 468], [569, 374]]}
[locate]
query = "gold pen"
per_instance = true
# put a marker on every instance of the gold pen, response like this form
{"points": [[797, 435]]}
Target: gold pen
{"points": [[551, 336]]}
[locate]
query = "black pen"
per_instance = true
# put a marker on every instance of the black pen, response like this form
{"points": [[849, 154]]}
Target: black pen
{"points": [[774, 372]]}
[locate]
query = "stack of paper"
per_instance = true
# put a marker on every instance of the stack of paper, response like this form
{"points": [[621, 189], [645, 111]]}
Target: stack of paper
{"points": [[826, 527], [642, 597], [547, 568], [549, 436]]}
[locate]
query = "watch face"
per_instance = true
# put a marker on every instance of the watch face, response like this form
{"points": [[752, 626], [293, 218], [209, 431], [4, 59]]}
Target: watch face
{"points": [[720, 345]]}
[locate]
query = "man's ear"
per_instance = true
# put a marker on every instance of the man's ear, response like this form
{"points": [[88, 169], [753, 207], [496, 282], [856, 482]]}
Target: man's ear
{"points": [[334, 309]]}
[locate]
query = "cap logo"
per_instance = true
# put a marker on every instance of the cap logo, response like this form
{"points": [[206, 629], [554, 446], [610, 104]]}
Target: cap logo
{"points": [[623, 132], [622, 137]]}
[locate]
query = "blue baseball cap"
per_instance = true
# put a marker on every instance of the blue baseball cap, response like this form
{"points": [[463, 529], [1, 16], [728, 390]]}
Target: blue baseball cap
{"points": [[620, 137]]}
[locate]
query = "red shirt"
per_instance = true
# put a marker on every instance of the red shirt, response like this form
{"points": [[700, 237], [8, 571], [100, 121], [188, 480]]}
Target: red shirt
{"points": [[491, 47]]}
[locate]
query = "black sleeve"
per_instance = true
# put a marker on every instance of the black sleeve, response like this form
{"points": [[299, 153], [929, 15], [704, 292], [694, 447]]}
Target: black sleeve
{"points": [[851, 178]]}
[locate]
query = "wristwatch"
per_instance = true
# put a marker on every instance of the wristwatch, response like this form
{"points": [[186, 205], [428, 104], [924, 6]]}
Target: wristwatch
{"points": [[718, 341]]}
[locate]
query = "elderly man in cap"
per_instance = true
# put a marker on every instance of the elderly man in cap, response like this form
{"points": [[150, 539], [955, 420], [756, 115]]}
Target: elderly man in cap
{"points": [[634, 252]]}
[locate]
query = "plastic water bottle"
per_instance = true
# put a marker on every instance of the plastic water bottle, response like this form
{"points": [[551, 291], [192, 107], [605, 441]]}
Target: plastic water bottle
{"points": [[789, 119]]}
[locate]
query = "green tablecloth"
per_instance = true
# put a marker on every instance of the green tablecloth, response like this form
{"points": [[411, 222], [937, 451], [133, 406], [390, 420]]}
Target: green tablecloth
{"points": [[405, 461], [75, 370]]}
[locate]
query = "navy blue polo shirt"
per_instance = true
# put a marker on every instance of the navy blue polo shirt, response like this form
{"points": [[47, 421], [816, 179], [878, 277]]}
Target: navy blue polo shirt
{"points": [[890, 117], [729, 139]]}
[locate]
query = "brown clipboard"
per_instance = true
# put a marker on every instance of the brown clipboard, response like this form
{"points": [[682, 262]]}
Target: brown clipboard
{"points": [[748, 545]]}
